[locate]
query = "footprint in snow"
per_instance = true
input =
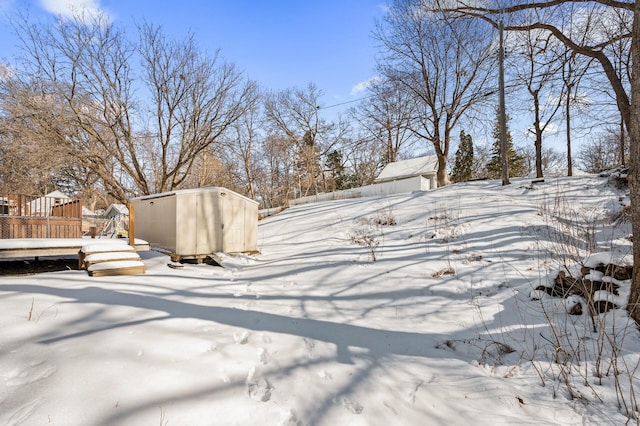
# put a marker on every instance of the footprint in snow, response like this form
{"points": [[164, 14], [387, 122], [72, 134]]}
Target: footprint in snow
{"points": [[309, 344], [289, 418], [36, 371], [258, 388], [324, 375], [352, 406], [241, 338], [263, 356], [20, 414]]}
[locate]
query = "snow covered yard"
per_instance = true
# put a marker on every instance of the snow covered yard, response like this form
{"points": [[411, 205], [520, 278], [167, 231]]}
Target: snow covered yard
{"points": [[439, 329]]}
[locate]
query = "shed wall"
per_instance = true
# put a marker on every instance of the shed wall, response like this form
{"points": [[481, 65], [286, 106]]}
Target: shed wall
{"points": [[202, 222], [209, 213], [156, 222]]}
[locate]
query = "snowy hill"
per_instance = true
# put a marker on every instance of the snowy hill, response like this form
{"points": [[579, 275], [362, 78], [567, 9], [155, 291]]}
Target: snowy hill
{"points": [[439, 329]]}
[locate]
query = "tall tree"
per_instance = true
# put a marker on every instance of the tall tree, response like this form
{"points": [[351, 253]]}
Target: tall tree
{"points": [[26, 163], [242, 142], [600, 14], [366, 158], [516, 165], [276, 169], [463, 167], [386, 115], [533, 65], [196, 98], [574, 68], [139, 133], [443, 64], [338, 175], [295, 115]]}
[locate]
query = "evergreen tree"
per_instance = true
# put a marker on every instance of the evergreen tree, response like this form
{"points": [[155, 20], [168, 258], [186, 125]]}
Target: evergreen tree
{"points": [[494, 165], [463, 166], [339, 176]]}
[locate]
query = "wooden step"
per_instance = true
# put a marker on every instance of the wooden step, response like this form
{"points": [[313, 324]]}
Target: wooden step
{"points": [[123, 267], [95, 248], [94, 258]]}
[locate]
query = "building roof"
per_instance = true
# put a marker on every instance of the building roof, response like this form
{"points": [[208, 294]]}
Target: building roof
{"points": [[43, 205], [207, 189], [420, 166], [57, 194], [116, 209]]}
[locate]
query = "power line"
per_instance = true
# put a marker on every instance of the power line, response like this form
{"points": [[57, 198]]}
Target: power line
{"points": [[345, 102]]}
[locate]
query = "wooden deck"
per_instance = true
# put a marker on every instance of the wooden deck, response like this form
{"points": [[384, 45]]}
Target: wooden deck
{"points": [[30, 216], [38, 247]]}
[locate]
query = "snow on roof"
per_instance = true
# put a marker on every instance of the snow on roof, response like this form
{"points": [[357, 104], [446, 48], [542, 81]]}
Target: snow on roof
{"points": [[419, 166], [57, 194], [87, 212], [44, 204], [117, 209], [193, 191]]}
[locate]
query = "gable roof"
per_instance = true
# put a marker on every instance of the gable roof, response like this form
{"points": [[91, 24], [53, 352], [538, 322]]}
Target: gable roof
{"points": [[57, 194], [420, 166], [116, 209]]}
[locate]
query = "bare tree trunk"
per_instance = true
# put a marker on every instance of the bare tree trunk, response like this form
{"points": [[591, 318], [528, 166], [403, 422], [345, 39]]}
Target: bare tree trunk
{"points": [[441, 173], [633, 126], [622, 147], [538, 131], [568, 120]]}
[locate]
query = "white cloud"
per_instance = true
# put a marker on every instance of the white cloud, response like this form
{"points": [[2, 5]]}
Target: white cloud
{"points": [[550, 130], [364, 85], [71, 8]]}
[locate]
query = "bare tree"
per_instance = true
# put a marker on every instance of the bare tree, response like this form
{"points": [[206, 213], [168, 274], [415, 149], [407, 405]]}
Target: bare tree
{"points": [[386, 116], [550, 159], [533, 64], [574, 69], [195, 100], [481, 156], [294, 113], [24, 163], [444, 64], [600, 153], [102, 113], [604, 12], [276, 169], [241, 143], [366, 159]]}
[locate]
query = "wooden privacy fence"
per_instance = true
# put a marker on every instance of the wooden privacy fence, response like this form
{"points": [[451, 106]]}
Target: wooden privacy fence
{"points": [[28, 216]]}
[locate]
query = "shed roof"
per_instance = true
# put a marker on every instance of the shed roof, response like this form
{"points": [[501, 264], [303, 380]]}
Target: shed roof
{"points": [[194, 190], [57, 194], [420, 166]]}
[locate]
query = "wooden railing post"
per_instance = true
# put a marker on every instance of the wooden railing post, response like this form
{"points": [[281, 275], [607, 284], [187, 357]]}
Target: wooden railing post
{"points": [[132, 226]]}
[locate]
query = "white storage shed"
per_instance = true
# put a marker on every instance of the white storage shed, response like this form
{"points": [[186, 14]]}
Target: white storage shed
{"points": [[410, 175], [194, 223]]}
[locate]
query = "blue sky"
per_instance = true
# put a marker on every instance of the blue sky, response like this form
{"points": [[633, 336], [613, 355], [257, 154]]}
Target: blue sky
{"points": [[281, 44]]}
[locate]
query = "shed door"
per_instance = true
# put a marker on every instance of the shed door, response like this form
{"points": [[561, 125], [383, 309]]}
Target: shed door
{"points": [[234, 225], [209, 223]]}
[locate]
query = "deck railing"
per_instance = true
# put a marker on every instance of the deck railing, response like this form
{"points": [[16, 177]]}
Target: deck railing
{"points": [[29, 216]]}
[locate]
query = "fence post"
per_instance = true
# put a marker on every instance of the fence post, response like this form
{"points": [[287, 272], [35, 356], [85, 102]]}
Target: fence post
{"points": [[132, 226]]}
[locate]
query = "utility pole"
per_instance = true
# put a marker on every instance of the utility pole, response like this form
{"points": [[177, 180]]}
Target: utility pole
{"points": [[502, 112]]}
